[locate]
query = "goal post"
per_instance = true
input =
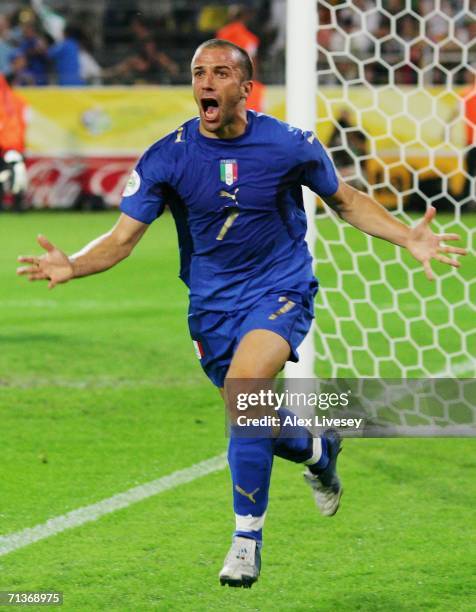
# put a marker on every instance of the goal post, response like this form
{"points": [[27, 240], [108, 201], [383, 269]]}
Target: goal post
{"points": [[389, 101], [301, 84]]}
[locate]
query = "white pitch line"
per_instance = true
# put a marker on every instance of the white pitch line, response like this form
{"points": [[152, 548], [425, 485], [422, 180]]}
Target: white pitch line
{"points": [[87, 514]]}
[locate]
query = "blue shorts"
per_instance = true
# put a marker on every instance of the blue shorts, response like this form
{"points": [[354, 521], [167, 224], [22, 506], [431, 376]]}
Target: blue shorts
{"points": [[216, 335]]}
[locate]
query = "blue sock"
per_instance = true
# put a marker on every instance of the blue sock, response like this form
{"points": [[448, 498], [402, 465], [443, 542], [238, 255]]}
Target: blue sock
{"points": [[250, 460], [296, 443]]}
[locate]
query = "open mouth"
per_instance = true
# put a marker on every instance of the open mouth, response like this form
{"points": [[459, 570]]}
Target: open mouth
{"points": [[210, 109]]}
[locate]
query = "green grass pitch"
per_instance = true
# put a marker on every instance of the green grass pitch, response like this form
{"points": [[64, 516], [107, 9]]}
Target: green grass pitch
{"points": [[100, 390]]}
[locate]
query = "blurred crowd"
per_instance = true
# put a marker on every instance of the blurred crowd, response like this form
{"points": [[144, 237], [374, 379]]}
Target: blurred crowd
{"points": [[40, 48], [118, 42], [77, 42]]}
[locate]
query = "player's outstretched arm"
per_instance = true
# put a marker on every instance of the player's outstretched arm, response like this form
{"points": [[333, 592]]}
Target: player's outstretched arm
{"points": [[99, 255], [364, 213]]}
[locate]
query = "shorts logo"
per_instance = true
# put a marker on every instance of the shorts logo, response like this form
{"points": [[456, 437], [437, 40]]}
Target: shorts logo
{"points": [[228, 171], [286, 308], [198, 348], [132, 185]]}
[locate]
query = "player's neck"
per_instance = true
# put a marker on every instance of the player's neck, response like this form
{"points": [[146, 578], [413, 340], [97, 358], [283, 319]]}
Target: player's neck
{"points": [[233, 129]]}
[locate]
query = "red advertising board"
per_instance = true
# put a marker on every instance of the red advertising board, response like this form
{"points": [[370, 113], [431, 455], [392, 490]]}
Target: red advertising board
{"points": [[63, 182]]}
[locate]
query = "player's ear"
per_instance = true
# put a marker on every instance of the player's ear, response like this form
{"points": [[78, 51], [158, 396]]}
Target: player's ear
{"points": [[246, 88]]}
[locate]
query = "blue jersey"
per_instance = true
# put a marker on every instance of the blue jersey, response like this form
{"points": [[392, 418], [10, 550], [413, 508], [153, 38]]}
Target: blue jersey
{"points": [[238, 207]]}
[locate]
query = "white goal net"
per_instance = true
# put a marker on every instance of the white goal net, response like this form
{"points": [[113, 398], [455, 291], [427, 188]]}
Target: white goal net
{"points": [[395, 91]]}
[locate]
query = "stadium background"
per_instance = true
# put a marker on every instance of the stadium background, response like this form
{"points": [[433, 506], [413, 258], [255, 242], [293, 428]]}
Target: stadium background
{"points": [[99, 387]]}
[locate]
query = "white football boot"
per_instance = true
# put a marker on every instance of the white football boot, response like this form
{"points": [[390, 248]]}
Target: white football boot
{"points": [[242, 564], [326, 485]]}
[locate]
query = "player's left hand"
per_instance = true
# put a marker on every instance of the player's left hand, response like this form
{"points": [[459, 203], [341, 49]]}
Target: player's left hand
{"points": [[424, 245]]}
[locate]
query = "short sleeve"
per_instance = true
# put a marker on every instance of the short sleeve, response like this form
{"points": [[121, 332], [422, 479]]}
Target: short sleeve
{"points": [[318, 170], [143, 196]]}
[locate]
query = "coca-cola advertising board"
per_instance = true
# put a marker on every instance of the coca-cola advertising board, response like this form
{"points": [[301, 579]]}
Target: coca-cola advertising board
{"points": [[55, 182]]}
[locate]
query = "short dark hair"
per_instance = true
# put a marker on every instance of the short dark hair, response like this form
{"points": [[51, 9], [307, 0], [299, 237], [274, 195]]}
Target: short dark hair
{"points": [[246, 64]]}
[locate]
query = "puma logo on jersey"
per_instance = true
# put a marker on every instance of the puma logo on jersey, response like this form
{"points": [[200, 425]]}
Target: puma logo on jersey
{"points": [[248, 495], [232, 196], [311, 139]]}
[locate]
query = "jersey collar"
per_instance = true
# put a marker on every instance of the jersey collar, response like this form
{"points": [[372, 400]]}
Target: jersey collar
{"points": [[250, 115]]}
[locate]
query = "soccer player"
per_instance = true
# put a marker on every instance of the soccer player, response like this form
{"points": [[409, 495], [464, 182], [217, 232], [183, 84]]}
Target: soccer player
{"points": [[232, 179]]}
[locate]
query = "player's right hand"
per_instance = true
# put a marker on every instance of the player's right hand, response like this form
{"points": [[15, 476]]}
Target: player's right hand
{"points": [[54, 266]]}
